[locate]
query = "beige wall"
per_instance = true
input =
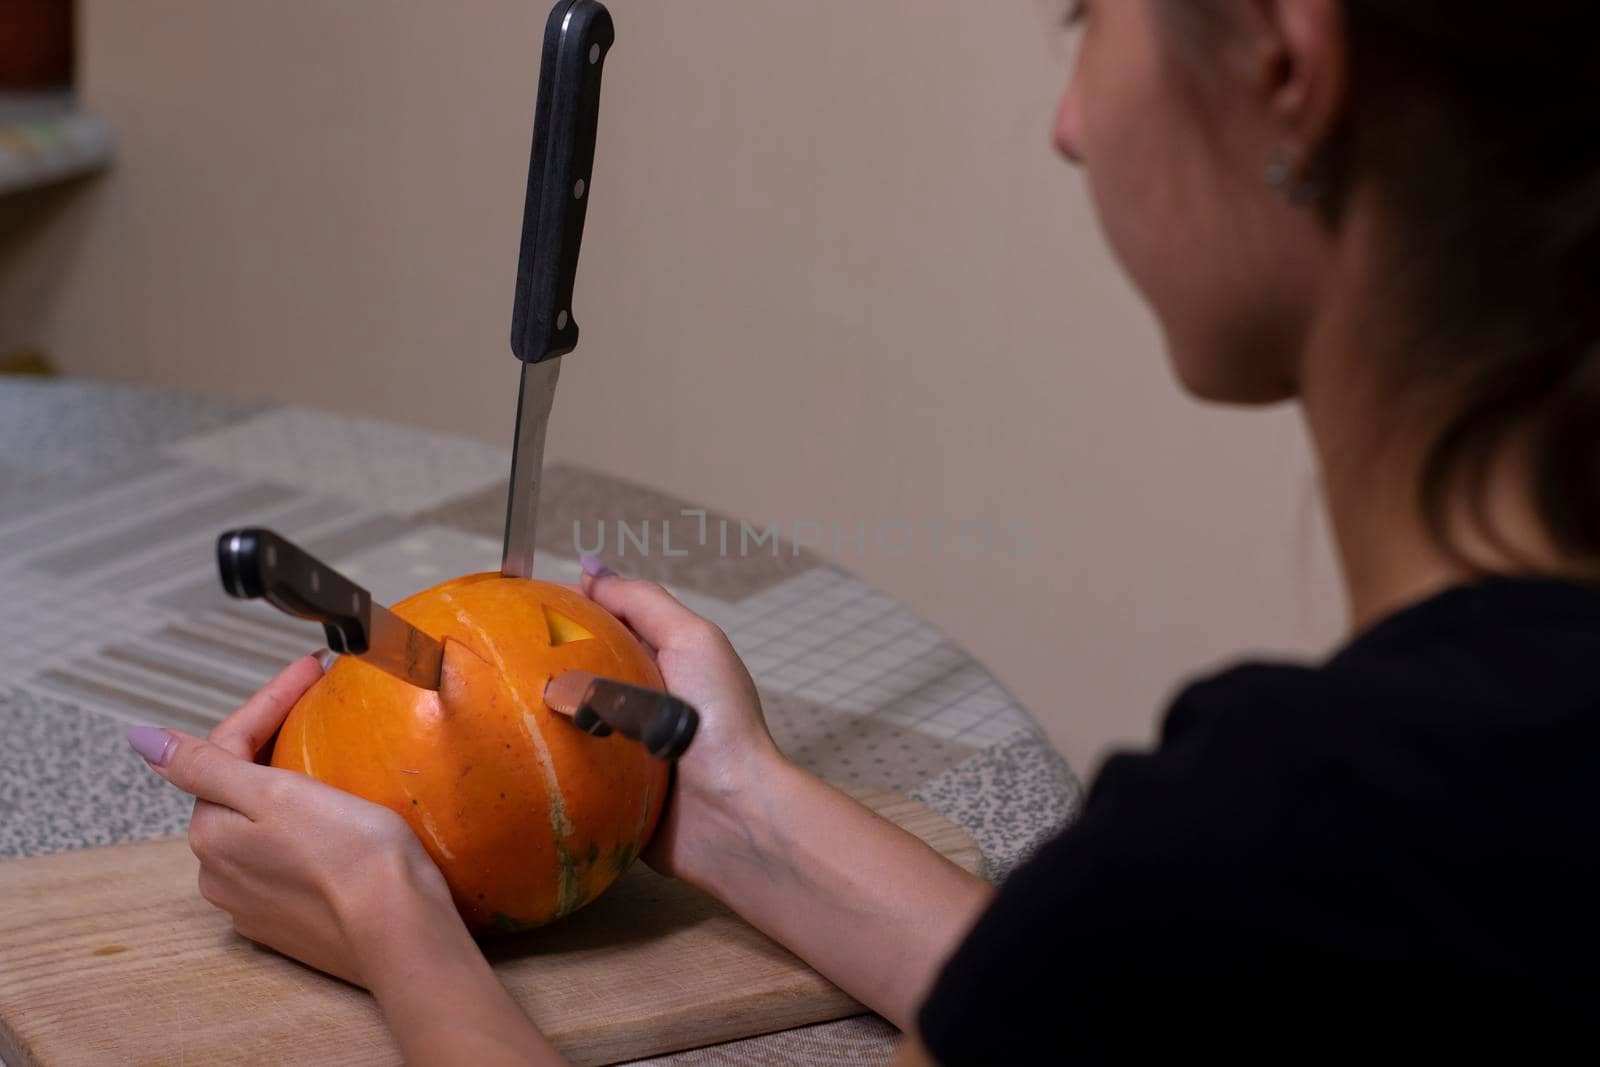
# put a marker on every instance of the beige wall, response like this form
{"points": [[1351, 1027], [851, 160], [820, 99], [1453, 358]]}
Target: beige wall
{"points": [[832, 272]]}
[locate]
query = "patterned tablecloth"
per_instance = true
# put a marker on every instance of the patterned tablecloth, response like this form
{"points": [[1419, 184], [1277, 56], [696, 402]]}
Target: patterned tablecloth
{"points": [[111, 497]]}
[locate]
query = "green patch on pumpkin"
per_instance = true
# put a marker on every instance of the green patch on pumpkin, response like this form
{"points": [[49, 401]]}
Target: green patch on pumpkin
{"points": [[508, 924], [569, 889]]}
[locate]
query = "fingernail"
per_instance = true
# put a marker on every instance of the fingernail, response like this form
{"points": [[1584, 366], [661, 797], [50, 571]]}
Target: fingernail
{"points": [[153, 743], [595, 567], [324, 657]]}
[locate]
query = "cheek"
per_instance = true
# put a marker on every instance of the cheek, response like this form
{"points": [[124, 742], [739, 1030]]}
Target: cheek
{"points": [[1161, 200], [1135, 156]]}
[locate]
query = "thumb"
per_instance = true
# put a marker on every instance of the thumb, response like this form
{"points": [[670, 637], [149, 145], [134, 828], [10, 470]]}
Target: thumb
{"points": [[247, 731], [649, 610], [197, 767]]}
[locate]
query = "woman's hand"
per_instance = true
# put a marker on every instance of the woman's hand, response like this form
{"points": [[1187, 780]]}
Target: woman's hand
{"points": [[732, 752], [340, 884], [303, 868], [868, 905]]}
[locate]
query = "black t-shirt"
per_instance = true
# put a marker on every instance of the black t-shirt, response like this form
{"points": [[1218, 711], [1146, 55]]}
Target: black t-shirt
{"points": [[1397, 848]]}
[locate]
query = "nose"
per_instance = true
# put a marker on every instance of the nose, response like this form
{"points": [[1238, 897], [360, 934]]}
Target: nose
{"points": [[1068, 129]]}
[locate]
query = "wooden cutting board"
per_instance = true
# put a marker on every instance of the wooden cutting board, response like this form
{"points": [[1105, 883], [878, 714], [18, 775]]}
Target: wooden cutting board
{"points": [[109, 955]]}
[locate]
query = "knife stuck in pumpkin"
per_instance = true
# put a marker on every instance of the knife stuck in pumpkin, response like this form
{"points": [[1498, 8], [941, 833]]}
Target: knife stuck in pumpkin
{"points": [[659, 721], [257, 563], [566, 115]]}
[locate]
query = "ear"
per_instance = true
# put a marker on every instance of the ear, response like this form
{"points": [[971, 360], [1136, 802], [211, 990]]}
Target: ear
{"points": [[1300, 67]]}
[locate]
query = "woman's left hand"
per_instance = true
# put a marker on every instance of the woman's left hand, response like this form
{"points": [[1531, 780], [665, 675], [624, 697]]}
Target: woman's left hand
{"points": [[306, 869]]}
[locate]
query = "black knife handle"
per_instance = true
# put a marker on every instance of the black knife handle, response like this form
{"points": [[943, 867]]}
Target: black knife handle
{"points": [[660, 721], [577, 37], [256, 563]]}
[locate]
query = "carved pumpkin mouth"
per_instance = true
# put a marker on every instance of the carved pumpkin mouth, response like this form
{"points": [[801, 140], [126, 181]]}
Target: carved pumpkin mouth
{"points": [[562, 629]]}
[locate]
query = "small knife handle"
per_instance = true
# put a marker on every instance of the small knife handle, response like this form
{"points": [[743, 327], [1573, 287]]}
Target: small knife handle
{"points": [[577, 37], [660, 721], [258, 564]]}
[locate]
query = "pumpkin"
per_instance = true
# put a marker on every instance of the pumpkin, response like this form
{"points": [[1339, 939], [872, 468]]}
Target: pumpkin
{"points": [[528, 817]]}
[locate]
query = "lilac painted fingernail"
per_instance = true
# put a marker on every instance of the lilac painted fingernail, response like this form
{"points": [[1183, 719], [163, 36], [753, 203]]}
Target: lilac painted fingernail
{"points": [[595, 567], [324, 657], [153, 743]]}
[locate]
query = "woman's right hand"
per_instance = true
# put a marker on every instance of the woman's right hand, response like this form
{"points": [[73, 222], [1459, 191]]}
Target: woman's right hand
{"points": [[732, 753], [301, 867]]}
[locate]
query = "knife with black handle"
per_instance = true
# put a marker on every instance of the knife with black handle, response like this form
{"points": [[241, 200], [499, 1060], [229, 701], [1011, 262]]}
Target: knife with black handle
{"points": [[566, 116], [258, 564], [659, 721]]}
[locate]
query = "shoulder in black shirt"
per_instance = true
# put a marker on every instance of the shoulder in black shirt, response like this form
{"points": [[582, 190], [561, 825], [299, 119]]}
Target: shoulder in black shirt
{"points": [[1397, 848]]}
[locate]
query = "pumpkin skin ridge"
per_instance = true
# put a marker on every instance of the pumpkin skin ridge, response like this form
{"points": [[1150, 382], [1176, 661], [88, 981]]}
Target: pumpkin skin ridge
{"points": [[560, 824], [562, 829], [466, 756]]}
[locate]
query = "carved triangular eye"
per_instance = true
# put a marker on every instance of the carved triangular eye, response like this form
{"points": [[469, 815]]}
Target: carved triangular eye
{"points": [[563, 630]]}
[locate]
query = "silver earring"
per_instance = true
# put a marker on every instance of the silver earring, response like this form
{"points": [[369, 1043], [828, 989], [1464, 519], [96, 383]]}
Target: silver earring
{"points": [[1279, 173], [1298, 189]]}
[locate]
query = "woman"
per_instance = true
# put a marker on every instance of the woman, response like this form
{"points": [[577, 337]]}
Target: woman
{"points": [[1381, 208]]}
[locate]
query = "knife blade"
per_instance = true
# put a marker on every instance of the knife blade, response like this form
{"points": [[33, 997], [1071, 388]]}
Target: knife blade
{"points": [[661, 722], [256, 563], [578, 34]]}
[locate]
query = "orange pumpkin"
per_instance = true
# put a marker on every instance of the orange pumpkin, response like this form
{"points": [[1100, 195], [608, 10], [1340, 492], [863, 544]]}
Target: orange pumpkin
{"points": [[528, 817]]}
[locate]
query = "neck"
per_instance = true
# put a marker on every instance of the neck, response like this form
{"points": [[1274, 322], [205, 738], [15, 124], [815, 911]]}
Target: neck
{"points": [[1372, 440], [1387, 557]]}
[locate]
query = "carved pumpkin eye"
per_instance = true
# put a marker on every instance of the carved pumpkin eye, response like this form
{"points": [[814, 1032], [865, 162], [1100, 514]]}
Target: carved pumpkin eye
{"points": [[563, 630]]}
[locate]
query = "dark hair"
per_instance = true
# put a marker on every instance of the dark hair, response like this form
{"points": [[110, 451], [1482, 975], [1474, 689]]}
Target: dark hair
{"points": [[1478, 120]]}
